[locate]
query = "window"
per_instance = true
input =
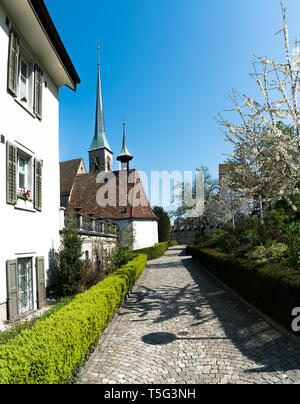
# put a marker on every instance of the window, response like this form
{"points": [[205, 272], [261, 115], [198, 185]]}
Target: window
{"points": [[23, 81], [25, 285], [22, 163], [24, 179], [24, 289], [25, 77]]}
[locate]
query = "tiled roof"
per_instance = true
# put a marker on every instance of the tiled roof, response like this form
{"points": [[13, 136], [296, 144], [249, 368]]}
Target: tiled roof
{"points": [[68, 172], [85, 191]]}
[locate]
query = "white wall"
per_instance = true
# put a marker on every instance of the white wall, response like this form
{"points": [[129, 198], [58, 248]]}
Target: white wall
{"points": [[146, 233], [24, 233]]}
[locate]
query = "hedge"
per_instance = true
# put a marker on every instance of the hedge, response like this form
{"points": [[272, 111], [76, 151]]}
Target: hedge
{"points": [[273, 289], [158, 249], [52, 349], [173, 243]]}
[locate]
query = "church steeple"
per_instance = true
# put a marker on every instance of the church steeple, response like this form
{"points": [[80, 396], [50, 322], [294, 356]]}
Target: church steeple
{"points": [[124, 157], [100, 153]]}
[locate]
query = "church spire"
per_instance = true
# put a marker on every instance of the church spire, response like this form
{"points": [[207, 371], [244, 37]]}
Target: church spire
{"points": [[100, 154], [124, 156], [99, 140]]}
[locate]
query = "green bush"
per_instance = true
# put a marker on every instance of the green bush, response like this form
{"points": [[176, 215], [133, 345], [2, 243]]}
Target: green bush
{"points": [[164, 224], [26, 325], [122, 256], [52, 349], [70, 266], [272, 254], [154, 252], [158, 249], [210, 236], [263, 241], [173, 243], [273, 289]]}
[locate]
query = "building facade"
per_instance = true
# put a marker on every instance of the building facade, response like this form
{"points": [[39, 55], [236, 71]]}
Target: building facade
{"points": [[33, 66]]}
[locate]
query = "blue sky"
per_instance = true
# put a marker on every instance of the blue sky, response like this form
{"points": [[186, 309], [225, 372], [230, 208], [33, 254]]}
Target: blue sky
{"points": [[167, 66]]}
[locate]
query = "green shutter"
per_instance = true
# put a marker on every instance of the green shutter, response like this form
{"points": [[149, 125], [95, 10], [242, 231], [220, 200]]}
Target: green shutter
{"points": [[12, 289], [38, 91], [38, 185], [13, 63], [40, 282], [11, 174]]}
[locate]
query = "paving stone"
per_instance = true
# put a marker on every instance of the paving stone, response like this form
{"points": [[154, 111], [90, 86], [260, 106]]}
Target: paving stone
{"points": [[180, 326]]}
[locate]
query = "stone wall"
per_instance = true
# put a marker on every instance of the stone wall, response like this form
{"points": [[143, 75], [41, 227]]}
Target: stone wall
{"points": [[184, 234]]}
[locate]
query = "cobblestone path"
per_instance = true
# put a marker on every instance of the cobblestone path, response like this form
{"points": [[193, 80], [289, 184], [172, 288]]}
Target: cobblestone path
{"points": [[181, 326]]}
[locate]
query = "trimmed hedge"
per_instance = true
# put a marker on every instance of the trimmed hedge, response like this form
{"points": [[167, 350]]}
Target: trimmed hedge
{"points": [[173, 243], [273, 289], [158, 249], [52, 349]]}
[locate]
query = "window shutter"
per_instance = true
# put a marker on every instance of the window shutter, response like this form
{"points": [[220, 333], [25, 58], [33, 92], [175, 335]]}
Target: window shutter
{"points": [[38, 185], [40, 282], [13, 63], [38, 91], [11, 174], [12, 289]]}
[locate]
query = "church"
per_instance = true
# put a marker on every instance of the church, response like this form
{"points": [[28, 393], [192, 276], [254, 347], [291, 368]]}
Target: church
{"points": [[115, 196]]}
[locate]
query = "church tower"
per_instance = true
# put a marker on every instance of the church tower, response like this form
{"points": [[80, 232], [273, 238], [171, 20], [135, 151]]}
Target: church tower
{"points": [[124, 157], [100, 154]]}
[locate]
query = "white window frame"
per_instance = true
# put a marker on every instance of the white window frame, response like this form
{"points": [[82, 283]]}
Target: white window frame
{"points": [[26, 57], [23, 61], [31, 304]]}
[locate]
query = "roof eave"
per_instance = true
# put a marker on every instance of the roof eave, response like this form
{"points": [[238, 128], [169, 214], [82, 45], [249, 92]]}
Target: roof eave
{"points": [[40, 10]]}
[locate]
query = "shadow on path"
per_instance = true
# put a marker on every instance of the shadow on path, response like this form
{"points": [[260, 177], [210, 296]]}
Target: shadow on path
{"points": [[206, 301]]}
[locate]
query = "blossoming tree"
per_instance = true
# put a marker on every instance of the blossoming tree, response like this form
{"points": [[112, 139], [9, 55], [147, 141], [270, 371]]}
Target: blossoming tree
{"points": [[265, 162]]}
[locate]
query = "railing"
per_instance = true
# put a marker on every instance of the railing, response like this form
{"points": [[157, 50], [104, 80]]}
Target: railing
{"points": [[91, 225]]}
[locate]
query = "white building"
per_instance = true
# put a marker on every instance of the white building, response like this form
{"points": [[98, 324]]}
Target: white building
{"points": [[33, 66]]}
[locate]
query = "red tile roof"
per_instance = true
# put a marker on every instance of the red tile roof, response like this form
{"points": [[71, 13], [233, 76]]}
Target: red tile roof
{"points": [[68, 172], [86, 189]]}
